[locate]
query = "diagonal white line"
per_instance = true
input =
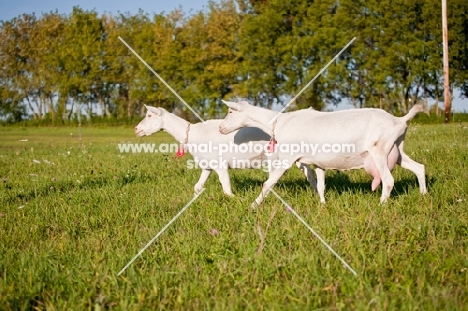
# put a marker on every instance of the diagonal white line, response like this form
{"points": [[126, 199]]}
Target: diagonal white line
{"points": [[313, 79], [312, 230], [162, 80], [160, 232]]}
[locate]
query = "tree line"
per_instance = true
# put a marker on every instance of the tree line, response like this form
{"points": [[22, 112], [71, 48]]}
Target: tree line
{"points": [[57, 66]]}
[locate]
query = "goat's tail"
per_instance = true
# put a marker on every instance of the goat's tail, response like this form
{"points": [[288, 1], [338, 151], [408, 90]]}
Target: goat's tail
{"points": [[413, 111]]}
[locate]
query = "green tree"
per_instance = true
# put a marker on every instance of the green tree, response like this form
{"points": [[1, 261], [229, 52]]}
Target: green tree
{"points": [[17, 64], [11, 108], [207, 44], [46, 39], [283, 45], [264, 51], [81, 59], [458, 44], [260, 54], [312, 43]]}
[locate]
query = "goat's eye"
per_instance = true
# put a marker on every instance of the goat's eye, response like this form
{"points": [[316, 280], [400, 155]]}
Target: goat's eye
{"points": [[149, 116]]}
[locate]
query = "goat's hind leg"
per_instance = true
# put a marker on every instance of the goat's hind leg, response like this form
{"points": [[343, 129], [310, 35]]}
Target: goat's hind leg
{"points": [[320, 183], [380, 160], [417, 168]]}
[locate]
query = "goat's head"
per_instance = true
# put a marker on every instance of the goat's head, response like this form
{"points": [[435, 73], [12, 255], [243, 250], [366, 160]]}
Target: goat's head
{"points": [[152, 123], [236, 117]]}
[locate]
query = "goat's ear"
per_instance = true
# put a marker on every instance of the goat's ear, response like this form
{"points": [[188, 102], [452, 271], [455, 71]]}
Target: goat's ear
{"points": [[232, 105], [154, 110]]}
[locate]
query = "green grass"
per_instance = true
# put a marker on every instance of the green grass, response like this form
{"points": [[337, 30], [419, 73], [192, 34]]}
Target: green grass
{"points": [[68, 228]]}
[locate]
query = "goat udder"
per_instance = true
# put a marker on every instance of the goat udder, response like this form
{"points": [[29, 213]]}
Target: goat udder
{"points": [[369, 166], [393, 157]]}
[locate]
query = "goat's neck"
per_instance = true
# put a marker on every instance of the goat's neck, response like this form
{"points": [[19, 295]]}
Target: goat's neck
{"points": [[261, 118], [175, 126]]}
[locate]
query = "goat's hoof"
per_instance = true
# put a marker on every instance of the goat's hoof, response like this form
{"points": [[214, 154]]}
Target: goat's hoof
{"points": [[229, 195], [254, 205]]}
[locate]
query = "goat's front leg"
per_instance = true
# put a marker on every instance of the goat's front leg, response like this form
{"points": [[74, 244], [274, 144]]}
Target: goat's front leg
{"points": [[316, 180], [202, 180], [309, 174], [275, 175]]}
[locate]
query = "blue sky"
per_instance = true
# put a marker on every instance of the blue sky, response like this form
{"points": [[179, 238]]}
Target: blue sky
{"points": [[12, 8]]}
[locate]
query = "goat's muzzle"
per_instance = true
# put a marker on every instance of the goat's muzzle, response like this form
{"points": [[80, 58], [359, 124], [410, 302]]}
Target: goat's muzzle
{"points": [[138, 132]]}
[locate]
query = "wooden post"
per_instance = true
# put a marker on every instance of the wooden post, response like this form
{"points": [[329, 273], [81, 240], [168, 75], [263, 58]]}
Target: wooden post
{"points": [[447, 96]]}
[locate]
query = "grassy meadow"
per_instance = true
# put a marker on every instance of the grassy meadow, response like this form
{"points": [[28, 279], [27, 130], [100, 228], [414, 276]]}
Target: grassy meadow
{"points": [[74, 212]]}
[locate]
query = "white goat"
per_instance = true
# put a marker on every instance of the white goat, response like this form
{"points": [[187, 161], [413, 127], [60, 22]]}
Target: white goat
{"points": [[199, 134], [377, 137]]}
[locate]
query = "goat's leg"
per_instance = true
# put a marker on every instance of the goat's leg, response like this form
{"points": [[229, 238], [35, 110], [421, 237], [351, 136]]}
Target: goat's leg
{"points": [[320, 183], [202, 180], [316, 180], [380, 160], [417, 168], [309, 174], [223, 176], [275, 175]]}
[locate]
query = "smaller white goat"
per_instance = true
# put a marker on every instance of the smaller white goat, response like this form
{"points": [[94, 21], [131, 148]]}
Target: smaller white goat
{"points": [[377, 137], [158, 119]]}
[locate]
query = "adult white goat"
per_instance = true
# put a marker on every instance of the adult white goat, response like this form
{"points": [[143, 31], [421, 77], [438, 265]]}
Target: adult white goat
{"points": [[216, 155], [377, 137]]}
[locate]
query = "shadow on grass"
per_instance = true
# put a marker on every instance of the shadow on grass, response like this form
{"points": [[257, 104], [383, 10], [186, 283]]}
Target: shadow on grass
{"points": [[341, 183], [337, 181]]}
